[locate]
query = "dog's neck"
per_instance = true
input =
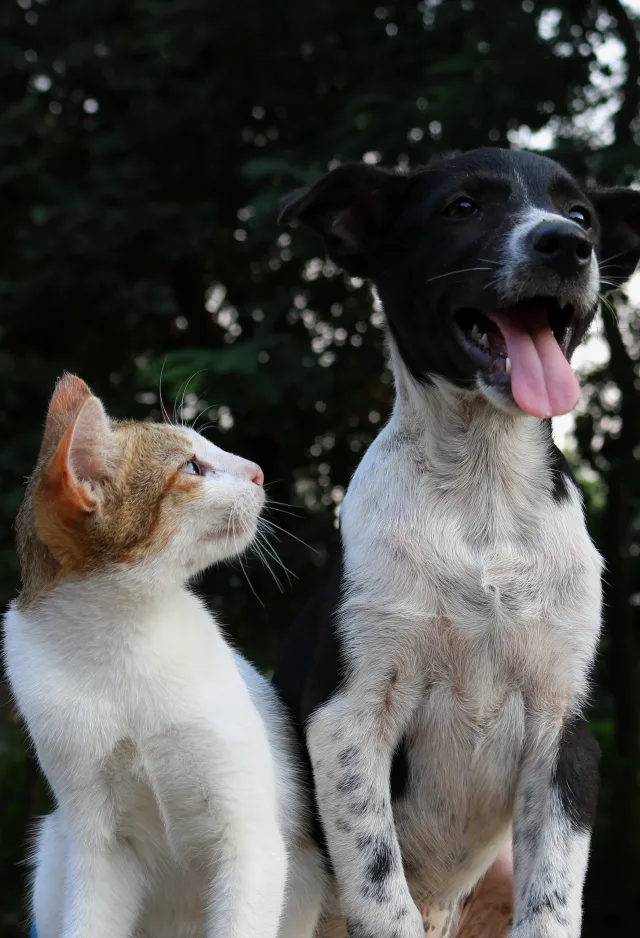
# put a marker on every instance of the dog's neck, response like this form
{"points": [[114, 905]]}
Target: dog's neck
{"points": [[453, 427]]}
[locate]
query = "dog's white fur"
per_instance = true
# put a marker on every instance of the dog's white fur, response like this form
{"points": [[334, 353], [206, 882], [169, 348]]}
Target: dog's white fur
{"points": [[469, 625], [170, 758]]}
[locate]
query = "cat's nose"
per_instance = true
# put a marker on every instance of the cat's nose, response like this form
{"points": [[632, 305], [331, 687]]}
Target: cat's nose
{"points": [[252, 472]]}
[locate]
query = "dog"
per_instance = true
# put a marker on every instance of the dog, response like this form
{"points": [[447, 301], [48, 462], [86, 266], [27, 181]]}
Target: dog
{"points": [[440, 676]]}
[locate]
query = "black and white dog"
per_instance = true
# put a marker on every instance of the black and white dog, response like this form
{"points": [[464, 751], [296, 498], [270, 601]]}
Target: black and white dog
{"points": [[441, 675]]}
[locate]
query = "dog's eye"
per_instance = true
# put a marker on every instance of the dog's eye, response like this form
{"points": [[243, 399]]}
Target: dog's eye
{"points": [[192, 468], [580, 216], [461, 208]]}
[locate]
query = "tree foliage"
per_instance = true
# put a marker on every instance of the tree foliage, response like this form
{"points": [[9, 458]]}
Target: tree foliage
{"points": [[145, 147]]}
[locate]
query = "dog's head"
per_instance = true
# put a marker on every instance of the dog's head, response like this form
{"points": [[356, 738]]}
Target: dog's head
{"points": [[488, 265]]}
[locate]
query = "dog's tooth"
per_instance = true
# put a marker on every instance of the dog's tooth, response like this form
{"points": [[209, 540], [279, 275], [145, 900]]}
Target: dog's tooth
{"points": [[475, 332], [507, 365], [483, 340]]}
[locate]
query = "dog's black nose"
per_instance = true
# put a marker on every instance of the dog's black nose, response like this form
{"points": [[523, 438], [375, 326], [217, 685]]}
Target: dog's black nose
{"points": [[561, 245]]}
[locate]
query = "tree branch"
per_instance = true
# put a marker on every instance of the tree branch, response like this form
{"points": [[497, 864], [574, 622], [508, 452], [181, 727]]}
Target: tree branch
{"points": [[631, 92]]}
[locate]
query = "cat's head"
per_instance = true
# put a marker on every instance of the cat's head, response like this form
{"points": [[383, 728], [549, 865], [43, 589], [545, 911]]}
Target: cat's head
{"points": [[155, 500]]}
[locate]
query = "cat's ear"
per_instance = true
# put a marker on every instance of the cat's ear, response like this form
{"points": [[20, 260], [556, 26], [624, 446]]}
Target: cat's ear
{"points": [[85, 457], [68, 397]]}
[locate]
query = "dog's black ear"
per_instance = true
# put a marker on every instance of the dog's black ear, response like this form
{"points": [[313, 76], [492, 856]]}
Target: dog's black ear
{"points": [[619, 215], [351, 207]]}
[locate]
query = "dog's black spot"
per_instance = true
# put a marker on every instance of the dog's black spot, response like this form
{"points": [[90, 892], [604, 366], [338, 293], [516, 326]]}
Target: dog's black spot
{"points": [[349, 783], [360, 807], [576, 773], [400, 770], [381, 864], [560, 897], [561, 473], [546, 904], [376, 892], [527, 799], [357, 930], [364, 841], [372, 804], [346, 756]]}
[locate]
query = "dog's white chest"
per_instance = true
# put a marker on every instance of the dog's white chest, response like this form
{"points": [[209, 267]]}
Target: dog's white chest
{"points": [[471, 558]]}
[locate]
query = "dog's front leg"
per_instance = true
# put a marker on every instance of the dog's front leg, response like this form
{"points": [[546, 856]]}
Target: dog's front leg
{"points": [[554, 813], [351, 740]]}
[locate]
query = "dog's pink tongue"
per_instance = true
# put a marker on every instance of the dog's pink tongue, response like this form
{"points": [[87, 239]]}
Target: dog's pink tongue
{"points": [[542, 381]]}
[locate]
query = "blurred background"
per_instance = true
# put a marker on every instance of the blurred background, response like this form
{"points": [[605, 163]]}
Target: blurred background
{"points": [[145, 145]]}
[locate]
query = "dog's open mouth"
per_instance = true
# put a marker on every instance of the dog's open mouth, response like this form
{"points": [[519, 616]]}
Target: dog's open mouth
{"points": [[524, 344]]}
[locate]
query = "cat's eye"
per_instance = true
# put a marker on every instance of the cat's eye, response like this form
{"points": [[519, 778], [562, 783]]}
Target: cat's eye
{"points": [[580, 216], [192, 468], [461, 208]]}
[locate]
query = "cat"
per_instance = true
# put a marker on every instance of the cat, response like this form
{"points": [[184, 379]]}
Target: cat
{"points": [[180, 809]]}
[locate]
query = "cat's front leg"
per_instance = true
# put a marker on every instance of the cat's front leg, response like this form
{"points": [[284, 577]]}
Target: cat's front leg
{"points": [[306, 890], [103, 883], [554, 812], [88, 882], [103, 891], [216, 791], [50, 861], [351, 741]]}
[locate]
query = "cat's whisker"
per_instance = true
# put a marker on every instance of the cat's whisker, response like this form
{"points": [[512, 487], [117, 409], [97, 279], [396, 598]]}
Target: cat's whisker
{"points": [[181, 392], [204, 411], [264, 541], [280, 505], [175, 407], [184, 393], [194, 425], [163, 409], [282, 511], [272, 524], [240, 560], [207, 426], [226, 540], [265, 562]]}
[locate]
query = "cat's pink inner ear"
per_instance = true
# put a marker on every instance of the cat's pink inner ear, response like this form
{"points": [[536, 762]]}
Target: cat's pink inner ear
{"points": [[92, 448], [86, 455], [68, 397]]}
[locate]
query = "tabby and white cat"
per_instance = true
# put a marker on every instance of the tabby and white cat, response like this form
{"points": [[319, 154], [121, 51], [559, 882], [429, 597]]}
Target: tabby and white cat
{"points": [[172, 765]]}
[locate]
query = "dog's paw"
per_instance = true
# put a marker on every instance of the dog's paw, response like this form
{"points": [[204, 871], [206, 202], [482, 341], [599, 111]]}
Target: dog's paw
{"points": [[543, 929], [408, 924]]}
